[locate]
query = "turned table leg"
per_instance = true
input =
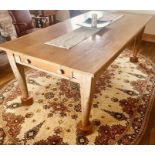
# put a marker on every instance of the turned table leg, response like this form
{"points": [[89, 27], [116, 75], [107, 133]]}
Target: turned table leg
{"points": [[18, 71], [136, 46], [86, 90]]}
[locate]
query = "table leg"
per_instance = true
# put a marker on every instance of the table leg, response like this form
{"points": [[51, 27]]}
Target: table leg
{"points": [[18, 71], [136, 46], [87, 85]]}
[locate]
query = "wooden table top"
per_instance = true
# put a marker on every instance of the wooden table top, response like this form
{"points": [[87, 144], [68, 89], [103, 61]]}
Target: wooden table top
{"points": [[89, 56]]}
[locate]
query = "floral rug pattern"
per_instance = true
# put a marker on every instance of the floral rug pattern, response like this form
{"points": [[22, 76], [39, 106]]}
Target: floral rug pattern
{"points": [[121, 104]]}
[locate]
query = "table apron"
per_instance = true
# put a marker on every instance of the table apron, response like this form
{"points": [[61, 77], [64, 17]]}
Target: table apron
{"points": [[53, 69]]}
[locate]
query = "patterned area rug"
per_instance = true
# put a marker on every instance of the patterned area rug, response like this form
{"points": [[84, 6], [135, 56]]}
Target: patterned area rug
{"points": [[122, 102]]}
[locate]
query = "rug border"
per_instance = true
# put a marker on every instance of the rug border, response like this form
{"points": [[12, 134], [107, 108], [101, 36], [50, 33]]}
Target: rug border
{"points": [[148, 113]]}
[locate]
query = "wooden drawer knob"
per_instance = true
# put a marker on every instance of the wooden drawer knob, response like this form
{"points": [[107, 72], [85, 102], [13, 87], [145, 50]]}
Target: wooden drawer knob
{"points": [[60, 71], [28, 61]]}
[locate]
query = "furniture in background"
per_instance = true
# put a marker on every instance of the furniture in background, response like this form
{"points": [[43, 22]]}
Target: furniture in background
{"points": [[51, 14], [23, 22], [95, 56], [4, 38]]}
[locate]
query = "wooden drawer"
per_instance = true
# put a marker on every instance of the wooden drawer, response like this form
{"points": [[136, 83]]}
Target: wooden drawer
{"points": [[44, 65]]}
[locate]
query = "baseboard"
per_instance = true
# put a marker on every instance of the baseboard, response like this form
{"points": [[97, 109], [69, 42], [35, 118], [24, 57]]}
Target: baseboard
{"points": [[148, 37]]}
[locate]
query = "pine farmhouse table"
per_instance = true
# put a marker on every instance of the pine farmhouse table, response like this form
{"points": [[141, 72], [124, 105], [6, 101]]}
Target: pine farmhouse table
{"points": [[83, 63]]}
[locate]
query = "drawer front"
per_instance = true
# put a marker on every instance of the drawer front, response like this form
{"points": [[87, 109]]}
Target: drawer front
{"points": [[43, 65]]}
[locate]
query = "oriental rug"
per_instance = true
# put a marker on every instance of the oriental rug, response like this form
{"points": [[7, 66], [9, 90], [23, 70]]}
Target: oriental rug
{"points": [[121, 107]]}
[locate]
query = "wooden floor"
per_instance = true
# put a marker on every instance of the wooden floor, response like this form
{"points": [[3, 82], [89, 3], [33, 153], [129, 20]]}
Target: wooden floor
{"points": [[148, 49], [5, 71]]}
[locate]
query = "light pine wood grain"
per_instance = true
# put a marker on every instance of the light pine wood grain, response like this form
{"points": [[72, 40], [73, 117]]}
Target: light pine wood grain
{"points": [[82, 62], [91, 55], [87, 86], [20, 76]]}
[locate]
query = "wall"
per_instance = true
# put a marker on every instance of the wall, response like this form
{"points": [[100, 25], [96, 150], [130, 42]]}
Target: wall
{"points": [[63, 15]]}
